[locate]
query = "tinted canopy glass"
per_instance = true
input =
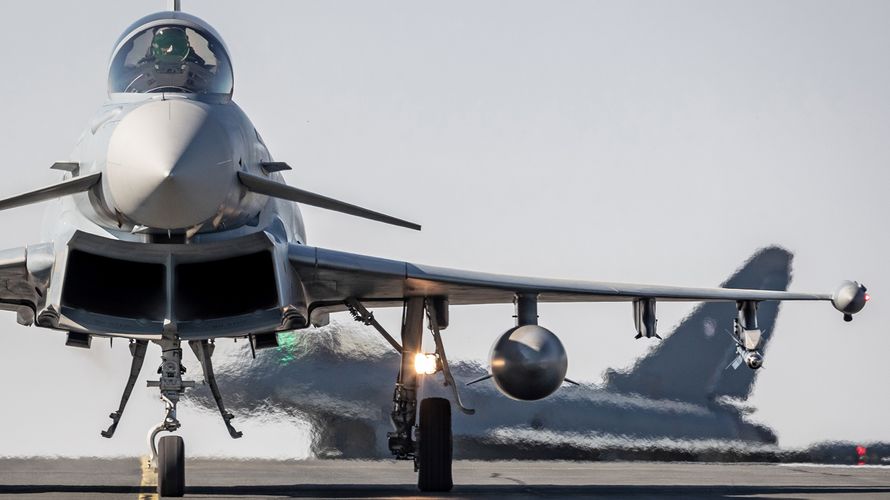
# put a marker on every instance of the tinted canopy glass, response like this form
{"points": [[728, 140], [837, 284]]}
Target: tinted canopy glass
{"points": [[171, 58]]}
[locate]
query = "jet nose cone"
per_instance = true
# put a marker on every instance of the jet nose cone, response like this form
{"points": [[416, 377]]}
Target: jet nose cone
{"points": [[170, 165]]}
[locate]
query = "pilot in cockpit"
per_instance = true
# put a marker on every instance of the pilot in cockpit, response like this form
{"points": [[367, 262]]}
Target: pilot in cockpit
{"points": [[171, 58], [170, 46]]}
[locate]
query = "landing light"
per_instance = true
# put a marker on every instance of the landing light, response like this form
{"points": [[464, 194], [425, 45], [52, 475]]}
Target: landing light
{"points": [[426, 364], [867, 297]]}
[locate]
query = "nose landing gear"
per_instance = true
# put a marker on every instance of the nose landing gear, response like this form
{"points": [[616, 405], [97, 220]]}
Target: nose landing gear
{"points": [[167, 454], [168, 458]]}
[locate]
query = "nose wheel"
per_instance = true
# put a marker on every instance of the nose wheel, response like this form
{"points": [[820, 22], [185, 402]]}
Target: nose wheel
{"points": [[171, 466], [167, 454], [168, 457]]}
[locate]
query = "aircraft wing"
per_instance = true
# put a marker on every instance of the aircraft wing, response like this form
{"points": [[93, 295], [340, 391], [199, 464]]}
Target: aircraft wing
{"points": [[330, 277], [24, 277]]}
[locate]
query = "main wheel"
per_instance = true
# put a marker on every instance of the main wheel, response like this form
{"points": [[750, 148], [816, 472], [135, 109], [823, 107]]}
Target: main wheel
{"points": [[434, 445], [171, 466]]}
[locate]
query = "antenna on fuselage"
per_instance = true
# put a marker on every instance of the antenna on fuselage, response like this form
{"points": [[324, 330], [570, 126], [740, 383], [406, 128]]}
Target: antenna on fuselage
{"points": [[174, 5]]}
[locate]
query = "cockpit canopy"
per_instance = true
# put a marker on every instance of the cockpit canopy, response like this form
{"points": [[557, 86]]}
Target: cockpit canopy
{"points": [[173, 52]]}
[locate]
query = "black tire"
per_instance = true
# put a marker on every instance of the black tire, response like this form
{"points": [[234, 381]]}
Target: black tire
{"points": [[434, 445], [171, 466]]}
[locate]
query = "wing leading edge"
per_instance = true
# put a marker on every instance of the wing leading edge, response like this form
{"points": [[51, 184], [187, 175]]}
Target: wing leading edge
{"points": [[330, 277]]}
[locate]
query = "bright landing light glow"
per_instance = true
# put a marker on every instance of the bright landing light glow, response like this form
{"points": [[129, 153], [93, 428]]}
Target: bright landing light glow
{"points": [[425, 364]]}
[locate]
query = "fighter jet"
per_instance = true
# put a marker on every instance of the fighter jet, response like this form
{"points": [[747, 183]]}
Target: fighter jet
{"points": [[172, 224]]}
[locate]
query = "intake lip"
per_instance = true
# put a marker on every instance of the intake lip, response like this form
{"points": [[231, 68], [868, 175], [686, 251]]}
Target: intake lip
{"points": [[169, 166]]}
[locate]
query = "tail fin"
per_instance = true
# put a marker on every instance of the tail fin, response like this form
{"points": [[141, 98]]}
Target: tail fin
{"points": [[689, 365]]}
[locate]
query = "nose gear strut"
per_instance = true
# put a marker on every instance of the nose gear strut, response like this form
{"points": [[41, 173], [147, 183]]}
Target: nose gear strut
{"points": [[172, 387], [167, 454]]}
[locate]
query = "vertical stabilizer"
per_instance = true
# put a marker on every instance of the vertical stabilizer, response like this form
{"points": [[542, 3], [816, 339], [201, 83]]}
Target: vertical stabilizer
{"points": [[690, 364]]}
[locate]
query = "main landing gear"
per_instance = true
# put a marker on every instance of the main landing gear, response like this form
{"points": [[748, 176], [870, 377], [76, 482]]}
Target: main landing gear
{"points": [[434, 445], [167, 457], [429, 443]]}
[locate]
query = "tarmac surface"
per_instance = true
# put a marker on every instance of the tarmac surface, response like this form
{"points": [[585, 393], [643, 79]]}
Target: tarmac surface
{"points": [[236, 479]]}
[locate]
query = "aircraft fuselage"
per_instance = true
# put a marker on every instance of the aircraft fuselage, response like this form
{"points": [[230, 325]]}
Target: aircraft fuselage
{"points": [[169, 165]]}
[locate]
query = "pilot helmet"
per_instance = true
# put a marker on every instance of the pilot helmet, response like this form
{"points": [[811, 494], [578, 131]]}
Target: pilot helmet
{"points": [[170, 44]]}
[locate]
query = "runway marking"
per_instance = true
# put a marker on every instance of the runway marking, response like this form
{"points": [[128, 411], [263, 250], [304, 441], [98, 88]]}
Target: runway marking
{"points": [[834, 466], [149, 479]]}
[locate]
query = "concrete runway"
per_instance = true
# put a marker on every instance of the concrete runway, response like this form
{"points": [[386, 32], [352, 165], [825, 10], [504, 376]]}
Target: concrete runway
{"points": [[126, 478]]}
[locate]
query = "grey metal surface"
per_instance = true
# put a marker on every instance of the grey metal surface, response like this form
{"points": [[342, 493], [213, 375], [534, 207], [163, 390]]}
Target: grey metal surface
{"points": [[267, 187], [170, 165], [704, 336], [24, 278], [331, 276], [850, 297], [528, 362], [169, 256], [663, 401], [70, 186]]}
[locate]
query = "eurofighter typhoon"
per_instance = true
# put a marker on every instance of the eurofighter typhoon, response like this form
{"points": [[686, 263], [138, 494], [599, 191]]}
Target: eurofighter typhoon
{"points": [[172, 224]]}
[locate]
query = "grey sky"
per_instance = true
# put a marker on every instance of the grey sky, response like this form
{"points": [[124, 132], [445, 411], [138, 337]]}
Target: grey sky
{"points": [[622, 141]]}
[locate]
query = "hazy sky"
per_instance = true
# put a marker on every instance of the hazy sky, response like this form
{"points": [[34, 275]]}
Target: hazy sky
{"points": [[624, 141]]}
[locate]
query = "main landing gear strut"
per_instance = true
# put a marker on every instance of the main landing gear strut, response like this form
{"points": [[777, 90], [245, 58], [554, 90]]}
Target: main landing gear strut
{"points": [[167, 454], [429, 442]]}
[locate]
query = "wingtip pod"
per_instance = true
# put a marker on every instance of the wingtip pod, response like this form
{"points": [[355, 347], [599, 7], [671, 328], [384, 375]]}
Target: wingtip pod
{"points": [[849, 298]]}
